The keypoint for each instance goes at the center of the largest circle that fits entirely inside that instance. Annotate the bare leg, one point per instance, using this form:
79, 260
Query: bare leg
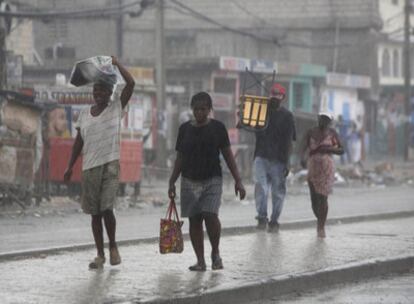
314, 199
197, 239
320, 209
323, 214
213, 227
97, 231
110, 225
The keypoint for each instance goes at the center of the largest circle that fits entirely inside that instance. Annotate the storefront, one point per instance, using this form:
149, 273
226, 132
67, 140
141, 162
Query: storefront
343, 96
64, 105
20, 147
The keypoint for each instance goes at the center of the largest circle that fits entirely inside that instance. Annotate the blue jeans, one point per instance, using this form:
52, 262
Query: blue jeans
269, 174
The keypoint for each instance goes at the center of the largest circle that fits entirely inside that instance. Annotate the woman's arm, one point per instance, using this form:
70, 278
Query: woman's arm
76, 150
130, 83
174, 175
231, 163
336, 149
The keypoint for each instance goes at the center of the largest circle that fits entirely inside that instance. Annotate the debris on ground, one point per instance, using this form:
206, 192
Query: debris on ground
380, 173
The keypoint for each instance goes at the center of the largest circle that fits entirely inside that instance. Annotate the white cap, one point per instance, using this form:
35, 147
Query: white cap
327, 114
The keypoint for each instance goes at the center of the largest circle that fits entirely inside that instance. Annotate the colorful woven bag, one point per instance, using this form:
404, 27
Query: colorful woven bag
171, 237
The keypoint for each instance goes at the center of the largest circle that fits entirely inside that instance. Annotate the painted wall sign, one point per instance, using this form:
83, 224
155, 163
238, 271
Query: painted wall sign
263, 66
234, 63
349, 81
63, 95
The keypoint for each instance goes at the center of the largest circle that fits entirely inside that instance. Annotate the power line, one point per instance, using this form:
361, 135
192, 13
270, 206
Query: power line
198, 15
249, 13
267, 39
75, 14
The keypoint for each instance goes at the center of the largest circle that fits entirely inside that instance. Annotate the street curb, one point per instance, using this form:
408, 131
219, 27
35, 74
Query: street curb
226, 231
282, 285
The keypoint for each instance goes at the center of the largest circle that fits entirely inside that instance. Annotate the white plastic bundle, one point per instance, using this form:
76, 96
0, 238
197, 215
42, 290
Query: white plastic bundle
95, 69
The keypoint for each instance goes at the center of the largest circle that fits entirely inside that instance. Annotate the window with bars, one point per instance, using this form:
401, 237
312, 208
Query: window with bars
396, 63
386, 63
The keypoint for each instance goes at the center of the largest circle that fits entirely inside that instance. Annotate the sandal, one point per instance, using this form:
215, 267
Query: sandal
216, 262
198, 267
97, 263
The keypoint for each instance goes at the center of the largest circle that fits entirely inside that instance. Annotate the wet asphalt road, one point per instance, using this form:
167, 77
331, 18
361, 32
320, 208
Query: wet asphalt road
394, 289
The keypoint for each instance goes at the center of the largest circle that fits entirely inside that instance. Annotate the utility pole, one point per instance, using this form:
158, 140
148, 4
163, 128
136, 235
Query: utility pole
335, 55
3, 80
161, 146
407, 77
119, 33
5, 24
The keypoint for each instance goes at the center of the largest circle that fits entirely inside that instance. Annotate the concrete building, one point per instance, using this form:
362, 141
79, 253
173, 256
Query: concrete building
325, 32
50, 46
391, 109
208, 45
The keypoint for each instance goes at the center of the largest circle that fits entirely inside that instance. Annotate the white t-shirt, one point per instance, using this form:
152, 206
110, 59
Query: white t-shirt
100, 134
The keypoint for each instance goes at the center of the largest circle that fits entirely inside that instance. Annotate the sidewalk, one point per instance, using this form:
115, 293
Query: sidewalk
70, 227
256, 263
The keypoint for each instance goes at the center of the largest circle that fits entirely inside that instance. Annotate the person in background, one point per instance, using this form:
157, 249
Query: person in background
98, 138
320, 143
343, 132
271, 159
150, 156
355, 145
199, 144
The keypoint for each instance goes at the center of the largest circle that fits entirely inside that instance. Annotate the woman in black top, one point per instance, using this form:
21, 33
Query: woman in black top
198, 146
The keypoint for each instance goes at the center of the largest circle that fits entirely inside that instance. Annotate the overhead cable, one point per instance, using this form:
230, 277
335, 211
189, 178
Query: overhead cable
273, 40
223, 26
75, 14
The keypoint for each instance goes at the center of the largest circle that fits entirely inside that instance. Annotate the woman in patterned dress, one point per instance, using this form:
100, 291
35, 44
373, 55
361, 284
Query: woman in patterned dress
321, 142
